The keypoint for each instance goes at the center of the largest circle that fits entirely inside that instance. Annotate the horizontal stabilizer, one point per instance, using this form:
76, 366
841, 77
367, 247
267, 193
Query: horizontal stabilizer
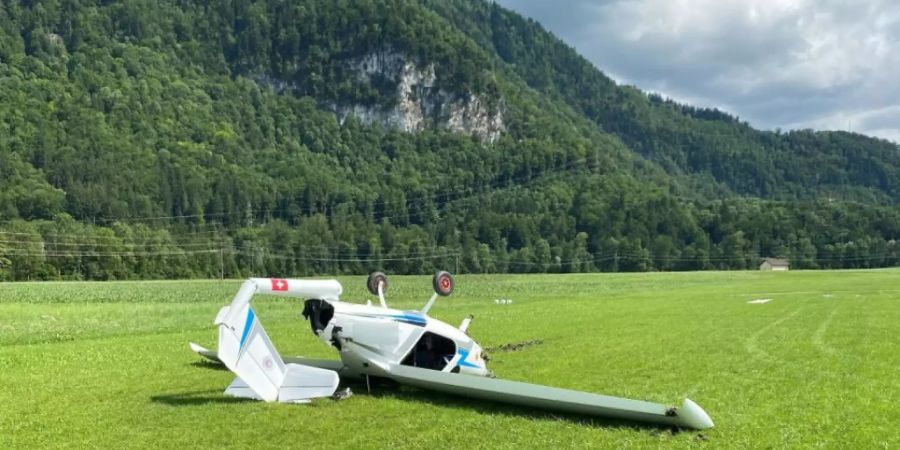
303, 382
329, 364
204, 352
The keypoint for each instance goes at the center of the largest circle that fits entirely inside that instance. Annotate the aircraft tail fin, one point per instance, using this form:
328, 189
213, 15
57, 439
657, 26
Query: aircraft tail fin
245, 348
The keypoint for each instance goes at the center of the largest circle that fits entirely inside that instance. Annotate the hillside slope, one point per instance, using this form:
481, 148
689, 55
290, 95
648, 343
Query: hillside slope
174, 139
704, 143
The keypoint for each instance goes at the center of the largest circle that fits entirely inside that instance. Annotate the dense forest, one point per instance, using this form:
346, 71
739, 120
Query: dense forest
174, 139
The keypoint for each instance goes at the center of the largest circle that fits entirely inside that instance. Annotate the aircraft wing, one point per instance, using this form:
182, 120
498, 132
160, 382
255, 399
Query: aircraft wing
689, 415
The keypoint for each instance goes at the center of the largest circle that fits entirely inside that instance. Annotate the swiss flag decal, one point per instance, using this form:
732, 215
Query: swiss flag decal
279, 284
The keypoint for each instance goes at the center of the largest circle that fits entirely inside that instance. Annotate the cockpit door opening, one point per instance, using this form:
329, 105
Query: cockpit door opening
432, 351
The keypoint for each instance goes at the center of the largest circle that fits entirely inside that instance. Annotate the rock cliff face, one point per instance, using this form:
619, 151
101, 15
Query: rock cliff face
419, 102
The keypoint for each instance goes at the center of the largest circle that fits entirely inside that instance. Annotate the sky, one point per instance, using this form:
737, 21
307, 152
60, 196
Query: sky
821, 64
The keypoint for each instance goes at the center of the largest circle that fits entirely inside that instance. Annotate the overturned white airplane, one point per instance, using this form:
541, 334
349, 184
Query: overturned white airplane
406, 346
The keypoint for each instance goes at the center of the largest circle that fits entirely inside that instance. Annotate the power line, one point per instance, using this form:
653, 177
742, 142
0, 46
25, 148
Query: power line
197, 244
262, 251
434, 196
107, 245
115, 238
169, 218
94, 254
542, 176
359, 259
250, 248
632, 257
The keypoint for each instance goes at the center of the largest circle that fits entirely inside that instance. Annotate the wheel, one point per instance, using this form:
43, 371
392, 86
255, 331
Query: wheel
443, 283
374, 279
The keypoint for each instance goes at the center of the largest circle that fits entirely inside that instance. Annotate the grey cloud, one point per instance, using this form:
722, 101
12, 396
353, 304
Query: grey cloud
883, 119
776, 63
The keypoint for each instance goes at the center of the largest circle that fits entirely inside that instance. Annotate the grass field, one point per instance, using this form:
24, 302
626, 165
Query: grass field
107, 364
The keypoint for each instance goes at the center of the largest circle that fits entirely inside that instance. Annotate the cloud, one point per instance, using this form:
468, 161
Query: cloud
825, 64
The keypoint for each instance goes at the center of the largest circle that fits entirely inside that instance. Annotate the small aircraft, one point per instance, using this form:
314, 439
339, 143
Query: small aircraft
408, 347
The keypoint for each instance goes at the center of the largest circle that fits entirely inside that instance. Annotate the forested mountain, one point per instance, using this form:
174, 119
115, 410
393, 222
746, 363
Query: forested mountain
188, 138
685, 140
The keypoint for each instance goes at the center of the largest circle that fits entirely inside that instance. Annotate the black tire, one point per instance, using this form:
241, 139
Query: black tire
374, 279
443, 283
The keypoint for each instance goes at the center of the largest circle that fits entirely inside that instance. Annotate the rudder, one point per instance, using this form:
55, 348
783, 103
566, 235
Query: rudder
245, 348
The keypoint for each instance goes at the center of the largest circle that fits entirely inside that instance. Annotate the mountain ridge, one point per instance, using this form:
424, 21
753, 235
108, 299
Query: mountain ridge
650, 124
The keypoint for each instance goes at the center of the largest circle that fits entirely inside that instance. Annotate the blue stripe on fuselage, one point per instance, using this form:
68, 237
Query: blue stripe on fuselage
408, 317
463, 354
247, 325
414, 319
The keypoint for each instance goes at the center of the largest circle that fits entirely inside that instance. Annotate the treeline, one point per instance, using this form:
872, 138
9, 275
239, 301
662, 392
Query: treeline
649, 233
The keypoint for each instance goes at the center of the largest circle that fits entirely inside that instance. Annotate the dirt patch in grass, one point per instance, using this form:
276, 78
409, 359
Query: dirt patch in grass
514, 346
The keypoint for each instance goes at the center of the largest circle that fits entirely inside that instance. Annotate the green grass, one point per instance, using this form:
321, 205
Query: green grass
107, 364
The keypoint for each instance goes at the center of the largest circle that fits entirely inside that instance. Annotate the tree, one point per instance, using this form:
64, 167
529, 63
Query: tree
4, 262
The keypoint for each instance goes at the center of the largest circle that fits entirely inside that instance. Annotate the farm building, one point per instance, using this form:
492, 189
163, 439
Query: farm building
775, 264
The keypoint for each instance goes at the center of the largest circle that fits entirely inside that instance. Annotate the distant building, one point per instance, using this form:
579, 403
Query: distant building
775, 264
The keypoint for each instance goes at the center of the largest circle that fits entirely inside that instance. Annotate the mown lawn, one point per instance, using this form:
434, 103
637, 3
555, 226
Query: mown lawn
107, 364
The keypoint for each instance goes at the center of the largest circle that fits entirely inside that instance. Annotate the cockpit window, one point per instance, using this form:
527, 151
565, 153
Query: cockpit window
433, 351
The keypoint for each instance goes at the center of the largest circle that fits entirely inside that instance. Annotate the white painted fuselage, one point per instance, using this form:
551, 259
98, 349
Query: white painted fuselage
372, 339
